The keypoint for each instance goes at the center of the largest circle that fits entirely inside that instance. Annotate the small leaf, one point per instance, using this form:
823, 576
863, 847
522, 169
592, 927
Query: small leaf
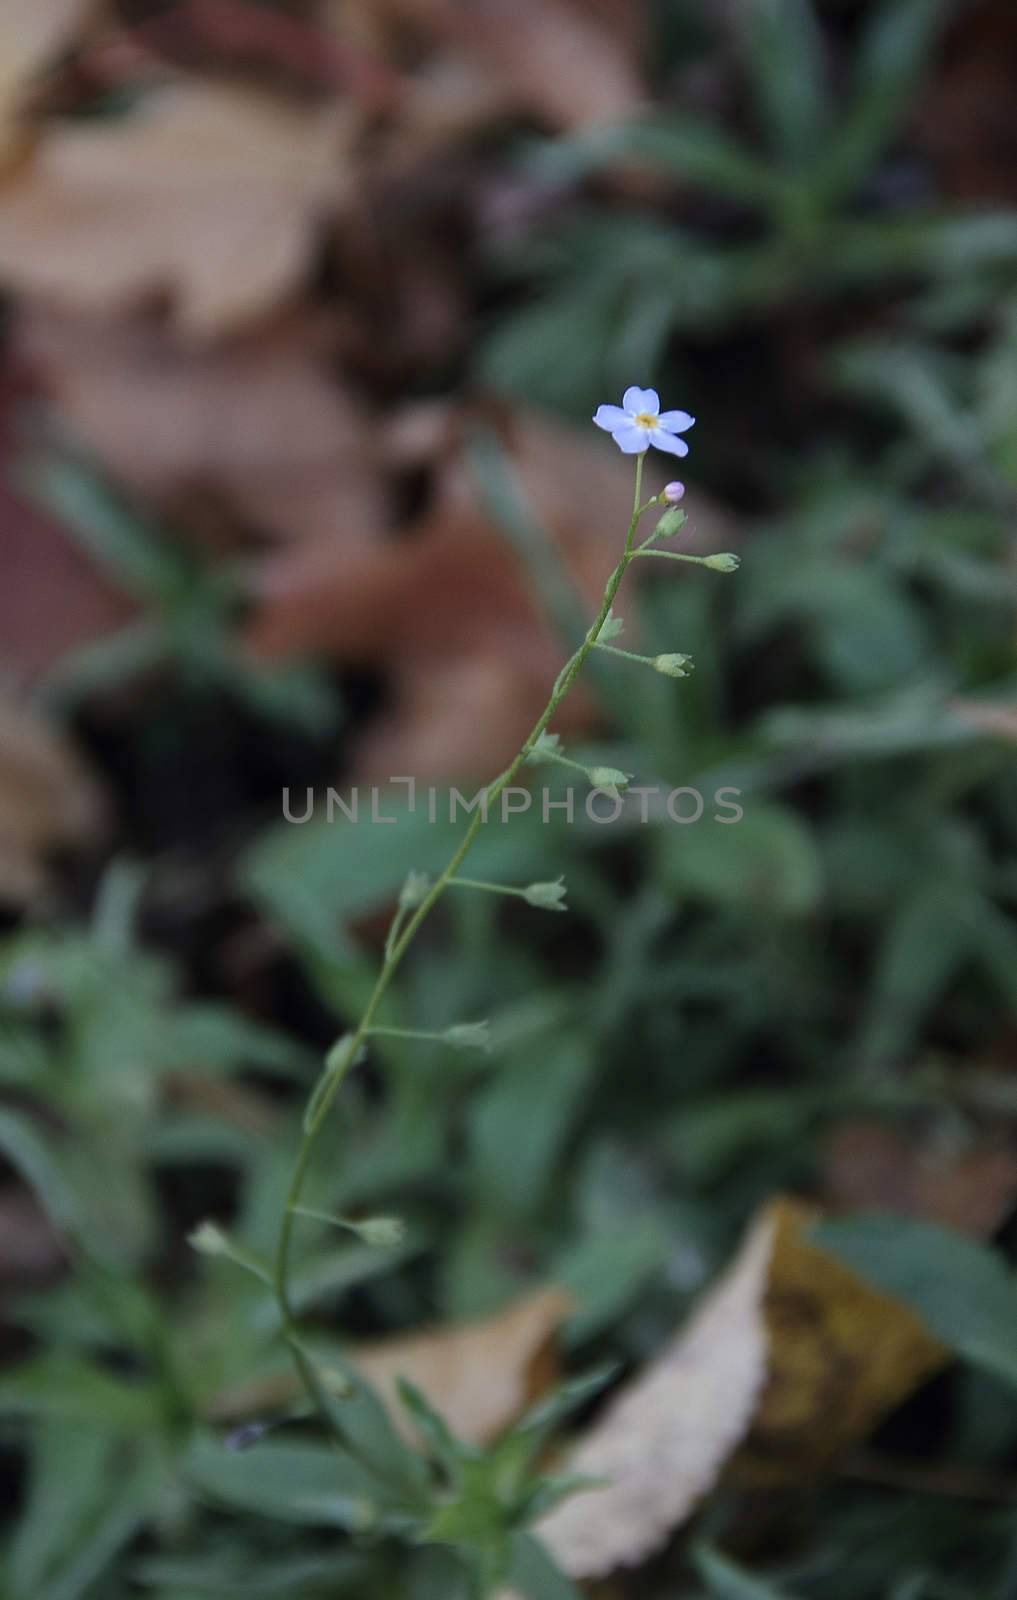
312, 1485
533, 1574
963, 1291
432, 1427
725, 1581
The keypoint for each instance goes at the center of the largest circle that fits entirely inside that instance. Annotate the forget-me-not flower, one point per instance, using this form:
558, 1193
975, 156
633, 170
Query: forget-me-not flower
638, 423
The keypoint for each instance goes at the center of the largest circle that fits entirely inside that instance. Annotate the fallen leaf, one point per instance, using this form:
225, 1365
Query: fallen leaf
663, 1440
843, 1356
570, 62
786, 1361
479, 1375
170, 420
32, 33
47, 802
211, 195
870, 1167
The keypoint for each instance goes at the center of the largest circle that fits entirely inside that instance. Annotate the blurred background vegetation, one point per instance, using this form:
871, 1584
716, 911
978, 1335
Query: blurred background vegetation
307, 307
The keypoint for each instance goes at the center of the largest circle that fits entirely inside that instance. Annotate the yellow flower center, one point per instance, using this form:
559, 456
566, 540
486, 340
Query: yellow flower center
646, 419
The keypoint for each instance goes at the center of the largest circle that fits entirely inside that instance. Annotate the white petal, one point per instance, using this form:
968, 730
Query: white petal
632, 440
676, 421
636, 400
611, 417
668, 442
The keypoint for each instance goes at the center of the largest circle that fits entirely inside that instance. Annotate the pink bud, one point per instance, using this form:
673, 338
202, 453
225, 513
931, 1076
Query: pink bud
673, 492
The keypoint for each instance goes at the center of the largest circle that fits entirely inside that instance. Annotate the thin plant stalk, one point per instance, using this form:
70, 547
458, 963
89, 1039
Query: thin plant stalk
397, 947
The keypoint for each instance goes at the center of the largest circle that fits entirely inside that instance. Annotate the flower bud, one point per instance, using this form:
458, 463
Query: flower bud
672, 493
723, 563
670, 523
610, 778
673, 666
546, 896
337, 1059
209, 1240
414, 890
381, 1233
469, 1036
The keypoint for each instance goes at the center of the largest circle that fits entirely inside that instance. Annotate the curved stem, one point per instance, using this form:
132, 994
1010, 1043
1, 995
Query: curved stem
396, 948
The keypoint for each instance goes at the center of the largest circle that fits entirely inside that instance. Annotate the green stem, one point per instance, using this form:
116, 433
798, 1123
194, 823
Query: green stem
427, 1034
489, 888
402, 937
626, 655
670, 555
563, 761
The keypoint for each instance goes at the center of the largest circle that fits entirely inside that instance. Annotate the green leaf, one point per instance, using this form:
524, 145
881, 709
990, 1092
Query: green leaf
895, 52
696, 152
314, 879
75, 1391
923, 945
311, 1485
366, 1427
71, 1468
963, 1291
726, 1581
534, 1575
606, 1273
117, 535
440, 1440
513, 1152
786, 58
218, 1038
31, 1154
766, 861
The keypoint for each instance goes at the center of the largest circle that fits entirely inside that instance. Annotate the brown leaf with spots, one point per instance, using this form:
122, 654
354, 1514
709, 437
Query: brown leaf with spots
842, 1356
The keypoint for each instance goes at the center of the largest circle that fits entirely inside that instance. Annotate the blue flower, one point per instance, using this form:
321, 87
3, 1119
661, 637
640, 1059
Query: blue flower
639, 422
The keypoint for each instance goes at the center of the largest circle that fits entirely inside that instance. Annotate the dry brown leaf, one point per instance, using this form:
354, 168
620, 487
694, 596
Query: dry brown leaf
479, 1375
869, 1166
790, 1352
208, 194
843, 1356
256, 420
47, 801
662, 1442
32, 32
570, 62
